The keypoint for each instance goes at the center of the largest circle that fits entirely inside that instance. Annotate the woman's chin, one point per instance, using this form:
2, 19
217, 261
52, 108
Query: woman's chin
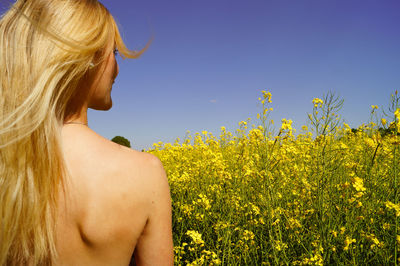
104, 106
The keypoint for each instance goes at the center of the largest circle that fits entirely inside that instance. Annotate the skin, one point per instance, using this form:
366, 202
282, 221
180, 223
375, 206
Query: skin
116, 201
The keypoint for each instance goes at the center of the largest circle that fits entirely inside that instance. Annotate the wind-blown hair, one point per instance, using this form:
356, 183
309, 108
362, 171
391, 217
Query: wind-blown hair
46, 48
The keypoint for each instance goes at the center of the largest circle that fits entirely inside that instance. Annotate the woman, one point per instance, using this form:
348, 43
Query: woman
68, 196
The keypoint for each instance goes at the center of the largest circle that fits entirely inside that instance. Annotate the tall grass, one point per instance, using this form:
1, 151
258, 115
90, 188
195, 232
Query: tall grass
326, 196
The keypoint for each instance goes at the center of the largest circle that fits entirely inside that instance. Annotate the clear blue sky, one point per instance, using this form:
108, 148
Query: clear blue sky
210, 59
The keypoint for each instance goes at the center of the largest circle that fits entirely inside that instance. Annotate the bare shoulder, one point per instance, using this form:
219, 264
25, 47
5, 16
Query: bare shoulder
97, 152
113, 181
140, 165
124, 171
146, 170
146, 160
119, 202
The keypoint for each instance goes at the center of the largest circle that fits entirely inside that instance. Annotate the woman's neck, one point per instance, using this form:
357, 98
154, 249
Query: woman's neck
77, 118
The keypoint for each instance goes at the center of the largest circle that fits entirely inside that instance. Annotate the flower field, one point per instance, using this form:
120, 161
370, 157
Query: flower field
326, 195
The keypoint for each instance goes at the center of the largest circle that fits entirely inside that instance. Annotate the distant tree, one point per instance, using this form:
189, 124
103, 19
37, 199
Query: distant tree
385, 131
121, 141
354, 130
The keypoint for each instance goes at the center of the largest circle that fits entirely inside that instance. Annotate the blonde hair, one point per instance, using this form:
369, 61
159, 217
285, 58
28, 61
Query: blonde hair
46, 49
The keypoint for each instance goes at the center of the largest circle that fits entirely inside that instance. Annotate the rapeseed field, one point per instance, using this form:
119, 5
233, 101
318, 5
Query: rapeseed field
326, 195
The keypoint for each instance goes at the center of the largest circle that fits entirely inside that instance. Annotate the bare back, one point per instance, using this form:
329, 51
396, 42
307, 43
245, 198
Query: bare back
116, 202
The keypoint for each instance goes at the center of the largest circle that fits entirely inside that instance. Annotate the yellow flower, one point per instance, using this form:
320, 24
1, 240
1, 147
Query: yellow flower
278, 245
391, 205
358, 184
248, 235
267, 96
203, 201
347, 242
196, 237
286, 124
317, 102
386, 226
275, 222
397, 113
375, 241
347, 127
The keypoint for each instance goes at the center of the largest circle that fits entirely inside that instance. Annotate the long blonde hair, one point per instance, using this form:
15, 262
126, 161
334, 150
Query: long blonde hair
46, 47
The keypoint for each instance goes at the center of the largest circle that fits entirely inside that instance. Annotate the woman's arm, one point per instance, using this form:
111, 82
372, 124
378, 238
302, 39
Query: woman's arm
155, 245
